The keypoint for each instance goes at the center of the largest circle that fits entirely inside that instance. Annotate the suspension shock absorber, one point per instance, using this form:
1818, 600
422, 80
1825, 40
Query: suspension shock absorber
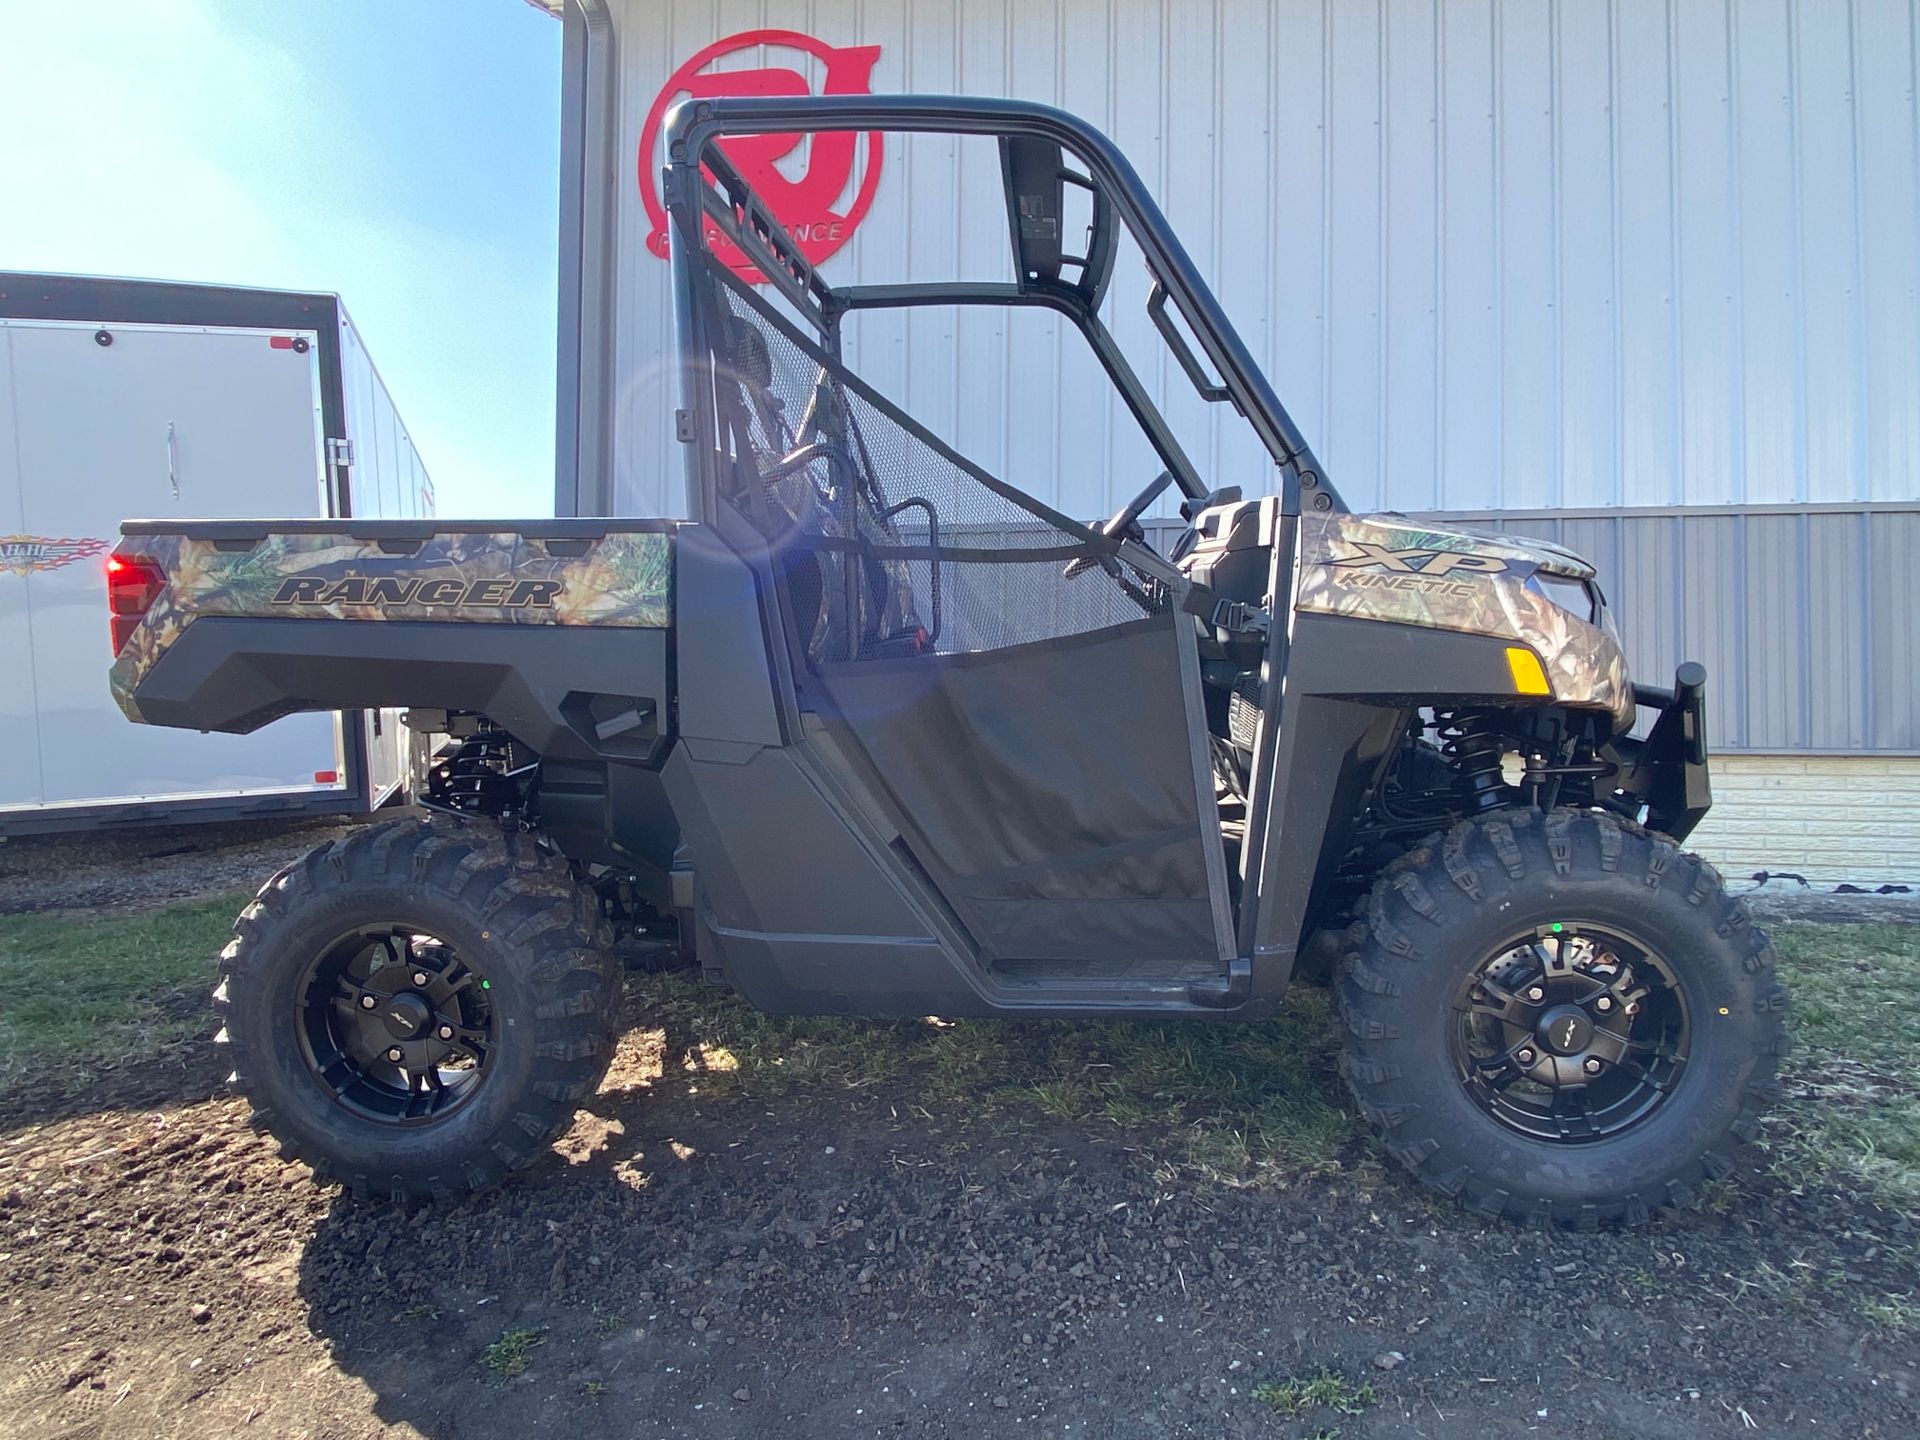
479, 777
1473, 748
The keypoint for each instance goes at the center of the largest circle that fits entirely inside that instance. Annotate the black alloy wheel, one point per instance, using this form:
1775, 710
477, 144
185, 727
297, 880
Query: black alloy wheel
395, 1026
1571, 1034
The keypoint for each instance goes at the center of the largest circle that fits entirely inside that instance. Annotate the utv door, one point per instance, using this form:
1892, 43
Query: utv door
1026, 704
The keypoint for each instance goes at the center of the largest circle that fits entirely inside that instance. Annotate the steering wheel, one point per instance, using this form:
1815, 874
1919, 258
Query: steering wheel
1125, 524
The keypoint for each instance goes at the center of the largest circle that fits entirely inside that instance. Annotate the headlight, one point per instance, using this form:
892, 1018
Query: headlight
1580, 598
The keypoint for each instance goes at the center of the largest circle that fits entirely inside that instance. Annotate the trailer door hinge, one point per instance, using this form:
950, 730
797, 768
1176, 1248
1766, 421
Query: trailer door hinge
683, 426
339, 462
1238, 616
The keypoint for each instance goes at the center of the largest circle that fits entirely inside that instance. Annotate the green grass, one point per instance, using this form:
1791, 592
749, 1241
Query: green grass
1239, 1102
1851, 1115
1242, 1103
608, 1322
1324, 1389
1896, 1315
87, 990
512, 1353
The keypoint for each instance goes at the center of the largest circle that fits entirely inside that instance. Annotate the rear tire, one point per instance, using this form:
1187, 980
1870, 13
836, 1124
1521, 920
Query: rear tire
512, 956
1592, 915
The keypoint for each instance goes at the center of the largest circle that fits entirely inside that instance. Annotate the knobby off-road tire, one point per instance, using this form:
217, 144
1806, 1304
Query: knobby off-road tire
512, 913
1442, 912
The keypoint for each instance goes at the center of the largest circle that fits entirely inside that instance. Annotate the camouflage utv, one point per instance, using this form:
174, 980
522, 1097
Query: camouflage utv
876, 732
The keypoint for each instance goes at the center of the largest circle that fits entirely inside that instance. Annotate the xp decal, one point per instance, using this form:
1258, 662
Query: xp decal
1420, 562
838, 172
23, 554
1381, 568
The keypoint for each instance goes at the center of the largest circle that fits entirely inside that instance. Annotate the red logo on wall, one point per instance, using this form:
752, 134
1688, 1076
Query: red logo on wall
820, 190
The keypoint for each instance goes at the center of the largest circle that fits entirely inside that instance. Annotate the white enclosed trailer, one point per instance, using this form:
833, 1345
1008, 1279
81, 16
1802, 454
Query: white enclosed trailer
126, 399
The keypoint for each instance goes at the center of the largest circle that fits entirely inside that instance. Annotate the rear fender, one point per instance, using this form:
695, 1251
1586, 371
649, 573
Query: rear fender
569, 692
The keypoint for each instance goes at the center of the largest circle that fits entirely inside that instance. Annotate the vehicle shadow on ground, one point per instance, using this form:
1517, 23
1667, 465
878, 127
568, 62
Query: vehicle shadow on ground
583, 1292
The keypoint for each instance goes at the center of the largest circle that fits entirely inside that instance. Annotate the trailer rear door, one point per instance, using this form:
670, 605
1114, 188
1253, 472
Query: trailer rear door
150, 421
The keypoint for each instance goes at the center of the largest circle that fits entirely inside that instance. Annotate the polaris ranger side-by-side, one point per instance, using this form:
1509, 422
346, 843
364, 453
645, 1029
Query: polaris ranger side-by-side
876, 732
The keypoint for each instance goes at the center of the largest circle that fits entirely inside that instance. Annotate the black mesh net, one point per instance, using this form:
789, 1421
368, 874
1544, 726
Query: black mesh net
891, 543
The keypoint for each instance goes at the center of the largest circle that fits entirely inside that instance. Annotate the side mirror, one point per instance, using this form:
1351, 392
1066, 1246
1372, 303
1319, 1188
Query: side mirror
1034, 172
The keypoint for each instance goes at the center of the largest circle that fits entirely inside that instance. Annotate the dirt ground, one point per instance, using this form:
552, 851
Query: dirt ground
856, 1262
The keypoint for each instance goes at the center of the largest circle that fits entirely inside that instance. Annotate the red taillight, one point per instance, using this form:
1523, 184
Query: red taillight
133, 584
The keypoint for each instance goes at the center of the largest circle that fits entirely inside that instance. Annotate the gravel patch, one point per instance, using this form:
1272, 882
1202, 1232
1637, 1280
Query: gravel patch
139, 868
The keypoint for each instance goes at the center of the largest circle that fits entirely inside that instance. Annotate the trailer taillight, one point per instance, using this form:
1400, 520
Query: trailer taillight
133, 584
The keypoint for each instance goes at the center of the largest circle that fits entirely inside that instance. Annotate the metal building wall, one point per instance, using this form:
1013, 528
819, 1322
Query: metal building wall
1808, 621
1807, 618
1636, 274
1495, 254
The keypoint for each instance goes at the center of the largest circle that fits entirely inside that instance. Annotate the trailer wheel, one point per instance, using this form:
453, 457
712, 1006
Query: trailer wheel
419, 1008
1560, 1018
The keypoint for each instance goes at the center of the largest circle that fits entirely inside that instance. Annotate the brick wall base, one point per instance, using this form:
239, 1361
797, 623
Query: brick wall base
1832, 819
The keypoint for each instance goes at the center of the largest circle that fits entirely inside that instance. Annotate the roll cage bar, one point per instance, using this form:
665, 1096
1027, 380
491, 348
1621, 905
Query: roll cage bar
1035, 141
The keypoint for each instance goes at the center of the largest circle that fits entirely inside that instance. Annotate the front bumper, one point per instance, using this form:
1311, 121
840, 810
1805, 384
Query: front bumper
1667, 771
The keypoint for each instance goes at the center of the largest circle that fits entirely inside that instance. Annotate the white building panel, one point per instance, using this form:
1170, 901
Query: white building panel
1494, 254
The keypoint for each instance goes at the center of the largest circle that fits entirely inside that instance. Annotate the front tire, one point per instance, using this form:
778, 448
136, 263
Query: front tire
1559, 1018
419, 1008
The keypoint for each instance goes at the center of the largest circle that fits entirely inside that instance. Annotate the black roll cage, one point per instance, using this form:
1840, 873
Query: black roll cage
1034, 140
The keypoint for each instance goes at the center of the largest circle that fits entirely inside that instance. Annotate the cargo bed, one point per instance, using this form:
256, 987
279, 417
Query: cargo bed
228, 625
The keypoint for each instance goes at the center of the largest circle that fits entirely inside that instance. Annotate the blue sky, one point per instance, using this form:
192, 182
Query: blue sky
403, 154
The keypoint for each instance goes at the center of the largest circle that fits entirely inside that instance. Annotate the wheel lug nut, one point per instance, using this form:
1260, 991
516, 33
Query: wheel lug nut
1525, 1057
396, 1054
1593, 1065
446, 1032
419, 977
1537, 993
367, 1002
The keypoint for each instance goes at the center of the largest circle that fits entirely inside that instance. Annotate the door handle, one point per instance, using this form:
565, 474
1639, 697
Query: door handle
173, 462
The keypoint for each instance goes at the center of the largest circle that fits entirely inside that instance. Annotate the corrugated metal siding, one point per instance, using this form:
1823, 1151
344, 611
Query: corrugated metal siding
1808, 621
388, 481
1494, 253
1805, 621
